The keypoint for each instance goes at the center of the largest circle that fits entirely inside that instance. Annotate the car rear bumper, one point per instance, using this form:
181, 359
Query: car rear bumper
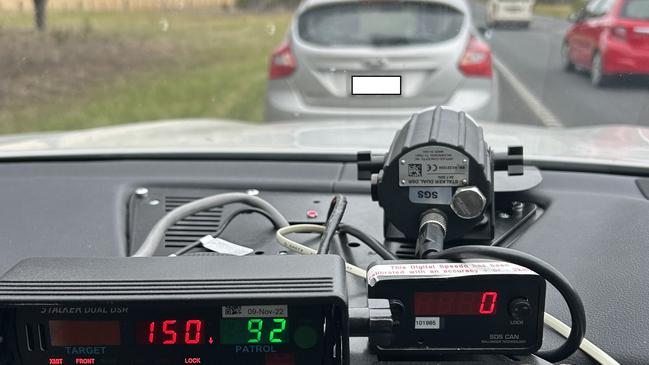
622, 58
477, 97
512, 16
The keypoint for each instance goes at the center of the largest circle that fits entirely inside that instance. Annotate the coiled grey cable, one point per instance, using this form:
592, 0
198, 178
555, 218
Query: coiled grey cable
155, 237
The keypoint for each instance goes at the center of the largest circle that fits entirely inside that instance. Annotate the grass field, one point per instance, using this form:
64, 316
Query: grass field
98, 69
555, 10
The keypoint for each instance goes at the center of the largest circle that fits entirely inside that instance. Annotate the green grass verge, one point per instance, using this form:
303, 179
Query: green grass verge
167, 65
554, 10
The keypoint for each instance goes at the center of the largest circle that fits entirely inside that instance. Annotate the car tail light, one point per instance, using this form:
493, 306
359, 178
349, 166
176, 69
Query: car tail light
476, 60
619, 32
282, 62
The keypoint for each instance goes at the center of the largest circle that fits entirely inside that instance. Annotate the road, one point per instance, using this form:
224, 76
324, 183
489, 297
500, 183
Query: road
568, 99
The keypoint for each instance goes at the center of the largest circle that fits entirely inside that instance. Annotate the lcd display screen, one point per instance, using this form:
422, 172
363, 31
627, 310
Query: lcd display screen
85, 333
461, 303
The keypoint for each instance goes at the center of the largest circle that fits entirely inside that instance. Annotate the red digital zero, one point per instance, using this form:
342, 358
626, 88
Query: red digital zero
464, 303
193, 331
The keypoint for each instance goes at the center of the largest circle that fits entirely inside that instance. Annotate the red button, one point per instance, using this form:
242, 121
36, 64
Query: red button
311, 214
280, 359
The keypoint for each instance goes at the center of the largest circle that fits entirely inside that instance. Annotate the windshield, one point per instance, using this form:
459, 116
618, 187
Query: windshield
568, 80
636, 9
380, 24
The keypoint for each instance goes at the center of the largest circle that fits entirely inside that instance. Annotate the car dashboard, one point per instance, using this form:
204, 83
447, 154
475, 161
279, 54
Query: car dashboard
587, 225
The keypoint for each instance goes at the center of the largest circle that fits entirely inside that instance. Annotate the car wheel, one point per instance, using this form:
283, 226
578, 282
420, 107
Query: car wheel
566, 63
597, 76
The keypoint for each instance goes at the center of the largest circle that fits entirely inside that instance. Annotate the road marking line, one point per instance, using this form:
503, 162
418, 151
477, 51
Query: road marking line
544, 114
645, 138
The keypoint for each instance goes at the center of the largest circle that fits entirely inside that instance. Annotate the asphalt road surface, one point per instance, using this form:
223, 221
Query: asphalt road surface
535, 89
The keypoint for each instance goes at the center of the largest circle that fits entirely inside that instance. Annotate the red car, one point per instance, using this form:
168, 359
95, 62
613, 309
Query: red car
609, 37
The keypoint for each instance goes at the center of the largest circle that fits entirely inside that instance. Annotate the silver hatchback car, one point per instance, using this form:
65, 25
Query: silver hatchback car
356, 59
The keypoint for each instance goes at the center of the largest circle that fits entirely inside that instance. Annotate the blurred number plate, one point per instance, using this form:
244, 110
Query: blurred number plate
376, 85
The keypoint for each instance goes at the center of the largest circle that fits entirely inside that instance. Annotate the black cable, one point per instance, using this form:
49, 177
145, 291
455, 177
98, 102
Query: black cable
432, 232
370, 241
552, 275
334, 217
222, 227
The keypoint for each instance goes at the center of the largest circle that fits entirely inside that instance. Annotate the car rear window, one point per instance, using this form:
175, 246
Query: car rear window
380, 24
636, 9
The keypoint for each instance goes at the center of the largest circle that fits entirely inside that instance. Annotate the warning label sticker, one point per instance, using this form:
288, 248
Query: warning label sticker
443, 270
433, 166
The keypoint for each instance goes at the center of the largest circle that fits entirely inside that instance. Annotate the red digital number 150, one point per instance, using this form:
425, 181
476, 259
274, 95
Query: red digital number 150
166, 332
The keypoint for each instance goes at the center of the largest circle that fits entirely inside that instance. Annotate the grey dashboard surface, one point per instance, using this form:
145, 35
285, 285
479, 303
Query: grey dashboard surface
593, 228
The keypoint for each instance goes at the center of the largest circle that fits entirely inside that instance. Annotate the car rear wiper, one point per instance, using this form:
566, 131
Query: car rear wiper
391, 41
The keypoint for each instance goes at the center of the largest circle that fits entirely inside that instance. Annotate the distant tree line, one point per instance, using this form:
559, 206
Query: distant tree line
259, 5
574, 3
40, 7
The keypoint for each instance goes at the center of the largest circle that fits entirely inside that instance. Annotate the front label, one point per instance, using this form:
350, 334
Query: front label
430, 195
433, 166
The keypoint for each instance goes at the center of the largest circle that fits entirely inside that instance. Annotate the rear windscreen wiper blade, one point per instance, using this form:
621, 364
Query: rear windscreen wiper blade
389, 41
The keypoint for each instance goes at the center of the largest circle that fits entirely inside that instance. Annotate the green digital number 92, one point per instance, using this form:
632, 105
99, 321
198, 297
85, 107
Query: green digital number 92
256, 330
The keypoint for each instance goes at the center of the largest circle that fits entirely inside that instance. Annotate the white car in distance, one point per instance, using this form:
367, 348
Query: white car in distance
510, 12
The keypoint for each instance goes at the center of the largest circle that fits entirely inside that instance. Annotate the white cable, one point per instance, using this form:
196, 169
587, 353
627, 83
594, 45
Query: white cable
586, 346
304, 250
156, 235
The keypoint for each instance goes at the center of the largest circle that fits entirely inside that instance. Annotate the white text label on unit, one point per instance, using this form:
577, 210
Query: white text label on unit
433, 166
427, 323
430, 195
